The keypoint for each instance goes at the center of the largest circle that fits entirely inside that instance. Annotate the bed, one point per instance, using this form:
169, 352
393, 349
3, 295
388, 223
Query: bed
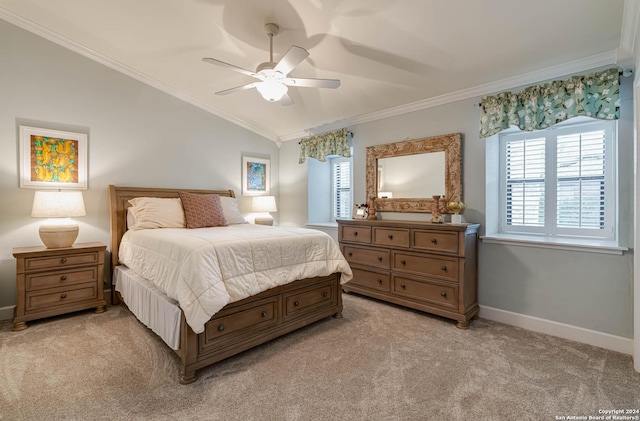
242, 309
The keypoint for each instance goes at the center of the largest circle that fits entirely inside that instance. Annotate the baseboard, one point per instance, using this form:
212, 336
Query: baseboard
561, 330
6, 313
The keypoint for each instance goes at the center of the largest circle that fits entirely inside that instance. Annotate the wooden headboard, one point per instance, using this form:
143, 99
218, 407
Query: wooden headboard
119, 202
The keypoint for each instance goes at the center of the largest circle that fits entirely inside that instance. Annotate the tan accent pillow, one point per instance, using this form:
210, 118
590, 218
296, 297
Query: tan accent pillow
156, 212
202, 210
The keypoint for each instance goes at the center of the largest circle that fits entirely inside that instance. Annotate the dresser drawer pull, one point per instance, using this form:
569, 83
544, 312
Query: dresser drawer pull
390, 237
404, 262
63, 278
296, 303
350, 254
434, 241
220, 327
380, 281
403, 286
379, 258
325, 294
444, 294
355, 233
443, 267
264, 314
63, 260
63, 296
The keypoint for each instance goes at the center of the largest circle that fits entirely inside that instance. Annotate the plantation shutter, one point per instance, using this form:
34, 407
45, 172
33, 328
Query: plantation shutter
342, 189
525, 182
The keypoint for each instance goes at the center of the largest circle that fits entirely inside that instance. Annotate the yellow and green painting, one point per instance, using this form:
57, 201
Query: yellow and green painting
54, 159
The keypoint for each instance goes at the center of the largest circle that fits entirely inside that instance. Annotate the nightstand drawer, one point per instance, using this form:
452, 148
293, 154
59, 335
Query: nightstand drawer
59, 262
61, 278
60, 296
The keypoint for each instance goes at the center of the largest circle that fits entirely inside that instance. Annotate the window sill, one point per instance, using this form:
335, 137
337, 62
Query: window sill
572, 244
322, 224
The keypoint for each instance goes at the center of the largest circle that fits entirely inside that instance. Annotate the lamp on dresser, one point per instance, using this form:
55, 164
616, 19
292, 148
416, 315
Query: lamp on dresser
58, 231
263, 205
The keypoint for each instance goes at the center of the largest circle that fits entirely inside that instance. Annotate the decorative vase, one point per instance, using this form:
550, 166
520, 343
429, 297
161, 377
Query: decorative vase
456, 218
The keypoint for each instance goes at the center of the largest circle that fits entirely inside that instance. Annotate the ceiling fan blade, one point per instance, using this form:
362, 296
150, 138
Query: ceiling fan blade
230, 66
286, 100
291, 59
312, 83
237, 89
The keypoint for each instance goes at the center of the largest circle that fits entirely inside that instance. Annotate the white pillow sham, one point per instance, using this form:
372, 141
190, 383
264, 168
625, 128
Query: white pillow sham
157, 212
231, 211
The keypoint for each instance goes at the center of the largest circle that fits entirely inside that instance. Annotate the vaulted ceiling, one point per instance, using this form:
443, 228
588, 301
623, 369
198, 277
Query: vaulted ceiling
390, 56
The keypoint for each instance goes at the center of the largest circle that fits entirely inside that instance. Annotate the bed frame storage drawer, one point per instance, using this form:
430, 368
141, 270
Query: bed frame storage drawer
308, 300
259, 315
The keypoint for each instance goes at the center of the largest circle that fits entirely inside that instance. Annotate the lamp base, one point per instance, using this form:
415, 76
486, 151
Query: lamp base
264, 220
58, 236
456, 218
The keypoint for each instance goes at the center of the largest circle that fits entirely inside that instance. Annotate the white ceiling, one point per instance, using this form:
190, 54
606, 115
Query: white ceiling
391, 56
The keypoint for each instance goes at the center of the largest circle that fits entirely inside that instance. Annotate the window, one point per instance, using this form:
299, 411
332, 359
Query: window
560, 181
341, 187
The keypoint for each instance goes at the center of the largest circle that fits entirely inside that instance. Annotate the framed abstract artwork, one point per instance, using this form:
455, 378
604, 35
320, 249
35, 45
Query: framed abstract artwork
52, 159
255, 176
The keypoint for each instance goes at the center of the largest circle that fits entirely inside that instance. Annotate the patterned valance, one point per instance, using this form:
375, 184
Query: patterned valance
322, 145
536, 107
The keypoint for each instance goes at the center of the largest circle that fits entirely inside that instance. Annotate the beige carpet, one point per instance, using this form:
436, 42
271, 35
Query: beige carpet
379, 362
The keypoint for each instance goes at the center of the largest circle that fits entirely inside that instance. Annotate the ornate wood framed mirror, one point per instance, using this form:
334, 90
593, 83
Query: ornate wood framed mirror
403, 176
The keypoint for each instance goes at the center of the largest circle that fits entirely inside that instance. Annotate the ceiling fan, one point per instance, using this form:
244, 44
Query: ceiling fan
273, 81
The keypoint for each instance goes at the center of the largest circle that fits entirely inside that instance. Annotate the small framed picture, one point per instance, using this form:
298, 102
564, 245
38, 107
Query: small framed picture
52, 159
255, 176
360, 212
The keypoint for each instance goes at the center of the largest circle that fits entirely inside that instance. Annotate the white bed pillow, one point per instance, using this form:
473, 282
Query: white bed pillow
156, 212
231, 211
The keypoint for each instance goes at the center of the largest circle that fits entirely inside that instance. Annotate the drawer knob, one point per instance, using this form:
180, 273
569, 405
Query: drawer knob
433, 240
264, 314
379, 258
443, 267
220, 327
296, 303
325, 294
404, 262
444, 294
380, 281
63, 296
355, 233
390, 237
63, 260
63, 278
403, 286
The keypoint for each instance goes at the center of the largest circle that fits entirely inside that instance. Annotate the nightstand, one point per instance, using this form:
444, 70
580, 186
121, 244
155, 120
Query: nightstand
50, 282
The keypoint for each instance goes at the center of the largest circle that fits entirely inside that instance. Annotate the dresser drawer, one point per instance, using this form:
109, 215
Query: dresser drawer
436, 241
443, 294
37, 263
356, 234
259, 316
309, 299
49, 298
442, 267
60, 278
369, 257
391, 237
368, 279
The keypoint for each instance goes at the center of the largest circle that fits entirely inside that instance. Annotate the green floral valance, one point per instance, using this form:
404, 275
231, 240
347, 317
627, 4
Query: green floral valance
320, 146
536, 107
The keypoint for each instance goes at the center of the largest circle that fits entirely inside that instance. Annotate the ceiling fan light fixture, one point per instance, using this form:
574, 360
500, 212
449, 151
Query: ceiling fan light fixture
272, 90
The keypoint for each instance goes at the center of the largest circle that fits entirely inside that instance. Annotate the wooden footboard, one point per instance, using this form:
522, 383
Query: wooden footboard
258, 319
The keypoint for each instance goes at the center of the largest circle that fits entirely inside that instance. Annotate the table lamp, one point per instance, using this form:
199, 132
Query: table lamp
264, 205
59, 231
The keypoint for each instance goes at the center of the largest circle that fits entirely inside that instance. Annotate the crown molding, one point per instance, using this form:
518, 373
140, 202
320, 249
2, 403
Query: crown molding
587, 63
76, 47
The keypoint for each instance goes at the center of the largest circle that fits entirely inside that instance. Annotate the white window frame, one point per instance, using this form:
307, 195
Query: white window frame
333, 162
550, 229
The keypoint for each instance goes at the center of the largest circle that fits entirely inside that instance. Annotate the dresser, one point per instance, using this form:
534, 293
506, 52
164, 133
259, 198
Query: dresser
424, 266
50, 282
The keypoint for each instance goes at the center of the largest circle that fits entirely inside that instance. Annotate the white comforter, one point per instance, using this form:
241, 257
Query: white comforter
205, 269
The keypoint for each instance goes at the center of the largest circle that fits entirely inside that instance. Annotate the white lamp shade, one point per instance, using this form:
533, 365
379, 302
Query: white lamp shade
264, 204
58, 204
272, 90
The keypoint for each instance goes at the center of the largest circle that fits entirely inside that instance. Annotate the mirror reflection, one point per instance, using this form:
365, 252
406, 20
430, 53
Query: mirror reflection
420, 175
